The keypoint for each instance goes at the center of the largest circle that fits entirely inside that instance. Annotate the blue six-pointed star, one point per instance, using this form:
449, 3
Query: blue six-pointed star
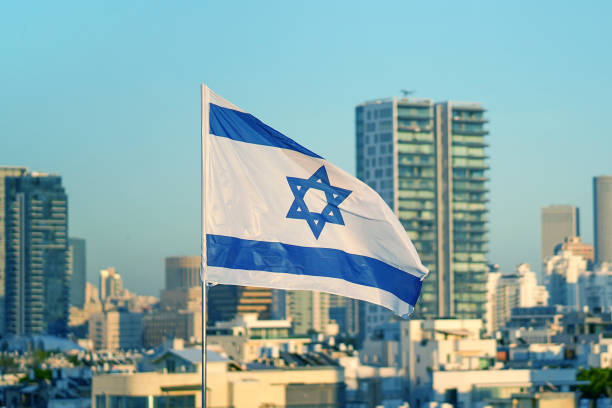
334, 196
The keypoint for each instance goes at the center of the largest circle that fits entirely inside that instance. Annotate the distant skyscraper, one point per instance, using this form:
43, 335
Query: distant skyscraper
602, 211
182, 272
428, 162
36, 257
558, 222
5, 172
111, 284
78, 271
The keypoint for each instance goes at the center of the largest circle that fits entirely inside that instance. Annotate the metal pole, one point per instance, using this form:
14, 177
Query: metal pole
205, 126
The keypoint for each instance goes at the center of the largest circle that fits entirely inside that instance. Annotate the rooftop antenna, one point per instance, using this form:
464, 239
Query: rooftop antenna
407, 92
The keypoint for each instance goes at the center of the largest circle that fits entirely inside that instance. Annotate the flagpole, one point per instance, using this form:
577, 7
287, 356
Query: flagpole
205, 126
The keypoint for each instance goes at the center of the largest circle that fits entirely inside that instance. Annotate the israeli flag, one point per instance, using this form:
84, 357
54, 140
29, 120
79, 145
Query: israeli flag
277, 215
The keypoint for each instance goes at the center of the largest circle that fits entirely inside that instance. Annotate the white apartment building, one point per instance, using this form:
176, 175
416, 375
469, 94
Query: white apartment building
508, 291
562, 272
246, 338
480, 388
595, 288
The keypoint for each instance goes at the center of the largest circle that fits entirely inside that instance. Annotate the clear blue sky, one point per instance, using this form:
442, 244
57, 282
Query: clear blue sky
107, 95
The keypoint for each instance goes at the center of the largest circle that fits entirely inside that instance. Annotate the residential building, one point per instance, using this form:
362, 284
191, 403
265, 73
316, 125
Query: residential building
580, 327
558, 222
289, 380
428, 162
577, 247
166, 324
115, 329
111, 284
246, 338
478, 388
595, 288
602, 211
490, 318
308, 311
520, 289
372, 386
420, 347
35, 241
78, 271
562, 272
534, 324
5, 172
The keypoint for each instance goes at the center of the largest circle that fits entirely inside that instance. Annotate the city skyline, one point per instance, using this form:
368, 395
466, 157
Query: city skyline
120, 123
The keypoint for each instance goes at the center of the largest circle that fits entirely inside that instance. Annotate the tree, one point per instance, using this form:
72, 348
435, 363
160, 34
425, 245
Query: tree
600, 382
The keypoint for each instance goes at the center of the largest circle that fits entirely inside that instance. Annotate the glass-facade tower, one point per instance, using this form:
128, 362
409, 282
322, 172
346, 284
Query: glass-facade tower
427, 161
37, 280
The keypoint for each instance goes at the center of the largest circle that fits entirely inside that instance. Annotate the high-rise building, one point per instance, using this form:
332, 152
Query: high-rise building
78, 271
558, 222
182, 272
225, 302
428, 162
5, 172
35, 241
308, 311
111, 284
602, 211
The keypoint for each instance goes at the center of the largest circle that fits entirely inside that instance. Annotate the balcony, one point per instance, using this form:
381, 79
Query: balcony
479, 132
464, 119
414, 128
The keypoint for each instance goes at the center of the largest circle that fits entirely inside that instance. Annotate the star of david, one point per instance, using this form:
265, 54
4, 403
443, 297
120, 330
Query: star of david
333, 195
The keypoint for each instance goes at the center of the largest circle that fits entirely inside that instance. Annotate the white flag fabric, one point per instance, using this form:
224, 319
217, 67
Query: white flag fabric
277, 215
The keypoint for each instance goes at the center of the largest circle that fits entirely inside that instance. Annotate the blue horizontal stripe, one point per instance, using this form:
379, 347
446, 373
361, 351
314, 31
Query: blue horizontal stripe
236, 253
247, 128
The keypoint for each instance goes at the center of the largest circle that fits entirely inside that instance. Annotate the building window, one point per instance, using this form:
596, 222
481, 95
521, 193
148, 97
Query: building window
100, 401
120, 401
174, 401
